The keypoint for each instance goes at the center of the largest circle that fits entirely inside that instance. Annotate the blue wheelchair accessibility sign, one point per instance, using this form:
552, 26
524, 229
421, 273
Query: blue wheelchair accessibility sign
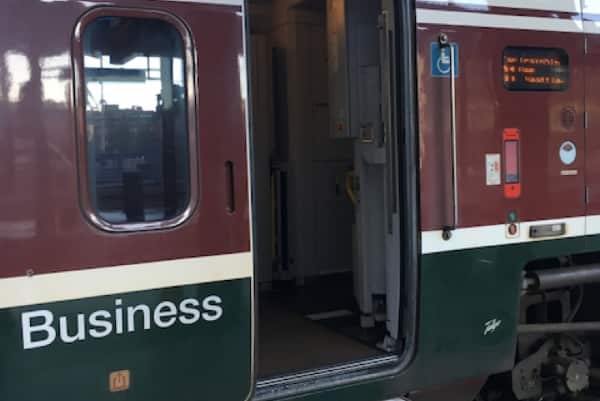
440, 60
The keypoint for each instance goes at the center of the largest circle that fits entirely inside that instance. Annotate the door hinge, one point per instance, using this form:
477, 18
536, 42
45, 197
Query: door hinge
586, 122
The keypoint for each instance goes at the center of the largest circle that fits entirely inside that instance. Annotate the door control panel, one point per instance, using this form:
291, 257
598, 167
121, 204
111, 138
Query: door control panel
512, 175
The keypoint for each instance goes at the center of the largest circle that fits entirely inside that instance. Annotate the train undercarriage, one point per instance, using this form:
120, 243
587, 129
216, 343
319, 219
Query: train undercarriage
558, 343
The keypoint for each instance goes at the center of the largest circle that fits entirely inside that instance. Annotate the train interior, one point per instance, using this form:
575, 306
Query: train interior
324, 210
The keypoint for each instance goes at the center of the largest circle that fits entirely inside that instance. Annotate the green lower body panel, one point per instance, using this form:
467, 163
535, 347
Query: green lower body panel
194, 343
177, 344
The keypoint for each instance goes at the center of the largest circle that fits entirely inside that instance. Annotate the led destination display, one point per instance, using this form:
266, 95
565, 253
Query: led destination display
535, 69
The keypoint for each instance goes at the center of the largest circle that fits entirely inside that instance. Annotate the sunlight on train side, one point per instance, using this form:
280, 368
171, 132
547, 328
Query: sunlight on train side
591, 6
18, 229
19, 72
55, 85
557, 5
475, 3
243, 77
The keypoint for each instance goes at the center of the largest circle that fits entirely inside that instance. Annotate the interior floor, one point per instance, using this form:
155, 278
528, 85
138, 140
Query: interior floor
309, 327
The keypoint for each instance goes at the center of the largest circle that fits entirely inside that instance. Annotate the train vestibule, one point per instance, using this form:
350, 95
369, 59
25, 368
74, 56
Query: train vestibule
325, 181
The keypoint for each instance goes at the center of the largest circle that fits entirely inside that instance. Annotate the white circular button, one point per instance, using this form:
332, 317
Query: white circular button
568, 153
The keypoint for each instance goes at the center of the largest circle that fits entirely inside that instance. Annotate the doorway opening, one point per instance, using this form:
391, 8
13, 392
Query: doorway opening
326, 196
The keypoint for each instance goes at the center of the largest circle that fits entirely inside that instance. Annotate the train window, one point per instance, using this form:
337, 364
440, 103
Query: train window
137, 137
535, 69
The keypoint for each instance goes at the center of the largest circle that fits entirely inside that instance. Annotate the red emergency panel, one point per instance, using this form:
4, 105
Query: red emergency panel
512, 176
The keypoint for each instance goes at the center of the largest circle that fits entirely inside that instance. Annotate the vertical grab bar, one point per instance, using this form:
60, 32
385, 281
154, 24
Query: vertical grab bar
444, 42
386, 65
389, 139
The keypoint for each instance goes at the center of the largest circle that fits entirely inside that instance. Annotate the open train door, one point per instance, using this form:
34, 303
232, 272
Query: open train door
362, 83
125, 225
388, 52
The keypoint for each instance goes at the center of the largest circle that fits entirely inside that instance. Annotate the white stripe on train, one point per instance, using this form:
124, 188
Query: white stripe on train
217, 2
462, 18
69, 285
495, 235
573, 6
591, 26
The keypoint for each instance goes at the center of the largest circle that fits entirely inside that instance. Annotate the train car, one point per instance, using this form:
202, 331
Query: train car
299, 199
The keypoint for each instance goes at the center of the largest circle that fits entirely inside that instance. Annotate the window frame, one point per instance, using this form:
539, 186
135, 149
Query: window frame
79, 89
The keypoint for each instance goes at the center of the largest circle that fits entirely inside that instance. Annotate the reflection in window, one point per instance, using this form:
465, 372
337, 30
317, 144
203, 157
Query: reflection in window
137, 134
